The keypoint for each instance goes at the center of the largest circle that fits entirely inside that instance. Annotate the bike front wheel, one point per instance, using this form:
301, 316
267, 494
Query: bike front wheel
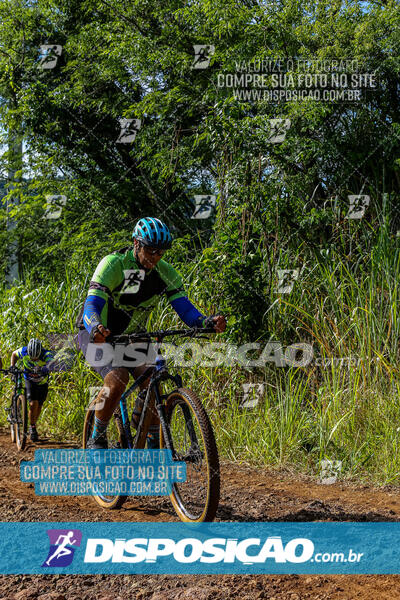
11, 420
196, 499
116, 439
21, 421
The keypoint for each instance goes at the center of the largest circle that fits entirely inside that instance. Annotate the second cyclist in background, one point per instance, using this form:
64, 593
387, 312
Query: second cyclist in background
35, 360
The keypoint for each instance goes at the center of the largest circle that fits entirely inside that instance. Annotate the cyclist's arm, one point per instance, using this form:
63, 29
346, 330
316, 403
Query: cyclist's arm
107, 276
92, 318
14, 358
178, 299
187, 312
17, 355
48, 357
92, 312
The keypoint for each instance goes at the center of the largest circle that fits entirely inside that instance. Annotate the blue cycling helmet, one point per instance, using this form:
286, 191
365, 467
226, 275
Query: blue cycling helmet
152, 232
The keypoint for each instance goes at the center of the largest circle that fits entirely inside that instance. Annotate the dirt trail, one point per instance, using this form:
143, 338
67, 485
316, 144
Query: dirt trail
247, 495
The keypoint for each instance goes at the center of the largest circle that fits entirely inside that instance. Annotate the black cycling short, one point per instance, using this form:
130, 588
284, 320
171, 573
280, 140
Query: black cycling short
36, 391
83, 341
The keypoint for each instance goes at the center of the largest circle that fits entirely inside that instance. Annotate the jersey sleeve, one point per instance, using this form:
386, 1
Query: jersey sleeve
92, 311
187, 312
173, 280
23, 351
47, 356
108, 275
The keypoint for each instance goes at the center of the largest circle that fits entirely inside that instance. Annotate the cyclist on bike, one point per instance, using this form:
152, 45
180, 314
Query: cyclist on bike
35, 360
125, 287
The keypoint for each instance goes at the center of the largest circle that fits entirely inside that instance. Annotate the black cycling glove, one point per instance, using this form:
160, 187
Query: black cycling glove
93, 332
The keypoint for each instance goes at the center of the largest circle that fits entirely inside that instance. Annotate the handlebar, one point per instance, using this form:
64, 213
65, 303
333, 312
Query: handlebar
147, 336
15, 371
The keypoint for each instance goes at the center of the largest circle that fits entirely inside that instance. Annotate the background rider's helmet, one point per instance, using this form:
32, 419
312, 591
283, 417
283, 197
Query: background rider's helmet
34, 348
152, 232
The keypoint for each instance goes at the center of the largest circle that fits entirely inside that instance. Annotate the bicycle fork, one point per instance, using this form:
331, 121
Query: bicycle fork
10, 414
12, 411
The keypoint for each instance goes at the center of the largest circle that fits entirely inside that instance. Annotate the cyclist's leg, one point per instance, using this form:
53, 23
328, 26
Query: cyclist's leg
34, 412
115, 381
38, 395
33, 409
33, 405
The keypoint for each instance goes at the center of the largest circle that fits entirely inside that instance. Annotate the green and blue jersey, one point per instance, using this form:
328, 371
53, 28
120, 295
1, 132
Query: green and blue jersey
33, 369
122, 294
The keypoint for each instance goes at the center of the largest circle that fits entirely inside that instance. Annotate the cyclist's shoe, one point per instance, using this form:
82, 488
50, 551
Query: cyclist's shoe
98, 443
33, 434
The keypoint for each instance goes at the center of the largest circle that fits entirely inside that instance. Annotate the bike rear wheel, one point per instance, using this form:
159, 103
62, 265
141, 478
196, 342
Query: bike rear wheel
195, 500
116, 439
21, 421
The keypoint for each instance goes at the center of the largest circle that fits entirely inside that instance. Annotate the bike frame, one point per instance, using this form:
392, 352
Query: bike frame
156, 372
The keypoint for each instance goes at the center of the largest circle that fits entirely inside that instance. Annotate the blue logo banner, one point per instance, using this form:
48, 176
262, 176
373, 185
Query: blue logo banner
214, 548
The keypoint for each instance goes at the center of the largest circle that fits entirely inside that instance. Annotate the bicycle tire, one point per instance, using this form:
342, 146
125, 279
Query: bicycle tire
21, 424
180, 497
12, 424
109, 502
12, 432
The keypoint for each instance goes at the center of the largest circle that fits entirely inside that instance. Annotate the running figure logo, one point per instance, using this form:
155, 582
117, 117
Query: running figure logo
60, 554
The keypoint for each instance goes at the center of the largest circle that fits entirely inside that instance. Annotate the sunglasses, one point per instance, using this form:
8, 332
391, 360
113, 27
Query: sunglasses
153, 251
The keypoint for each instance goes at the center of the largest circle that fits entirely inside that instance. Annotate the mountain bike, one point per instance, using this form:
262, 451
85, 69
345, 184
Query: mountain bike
18, 410
185, 430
